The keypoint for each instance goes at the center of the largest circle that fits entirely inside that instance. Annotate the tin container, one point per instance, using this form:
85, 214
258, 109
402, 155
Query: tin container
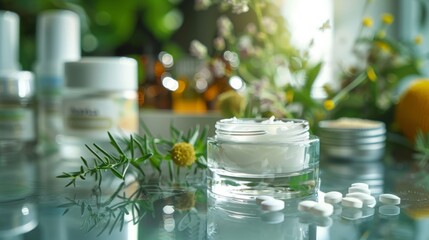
352, 139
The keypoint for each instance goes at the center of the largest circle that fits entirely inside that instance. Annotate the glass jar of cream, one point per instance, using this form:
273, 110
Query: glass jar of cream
252, 157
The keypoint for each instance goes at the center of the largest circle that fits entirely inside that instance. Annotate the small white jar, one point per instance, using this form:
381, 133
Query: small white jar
100, 96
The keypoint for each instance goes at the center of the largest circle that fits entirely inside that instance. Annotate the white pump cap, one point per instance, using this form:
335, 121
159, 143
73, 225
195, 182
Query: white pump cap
58, 37
9, 41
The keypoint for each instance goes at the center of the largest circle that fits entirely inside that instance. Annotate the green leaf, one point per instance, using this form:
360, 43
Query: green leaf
193, 139
115, 144
312, 74
143, 158
116, 173
131, 146
65, 175
94, 153
84, 161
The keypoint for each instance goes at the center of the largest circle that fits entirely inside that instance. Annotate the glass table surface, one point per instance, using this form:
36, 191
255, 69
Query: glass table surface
35, 204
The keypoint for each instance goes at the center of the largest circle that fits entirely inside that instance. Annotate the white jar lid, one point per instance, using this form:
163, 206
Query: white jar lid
102, 73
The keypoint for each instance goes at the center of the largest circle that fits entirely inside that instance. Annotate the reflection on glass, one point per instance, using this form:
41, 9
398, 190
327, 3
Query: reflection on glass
338, 176
234, 220
17, 218
18, 212
17, 173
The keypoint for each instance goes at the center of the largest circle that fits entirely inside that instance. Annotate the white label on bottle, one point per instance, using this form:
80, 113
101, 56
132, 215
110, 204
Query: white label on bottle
95, 117
17, 123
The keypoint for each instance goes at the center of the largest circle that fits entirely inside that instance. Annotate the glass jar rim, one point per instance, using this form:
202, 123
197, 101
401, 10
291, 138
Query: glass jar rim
267, 130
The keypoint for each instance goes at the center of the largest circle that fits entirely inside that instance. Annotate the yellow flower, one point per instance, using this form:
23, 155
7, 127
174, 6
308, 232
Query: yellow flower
367, 22
383, 46
371, 74
329, 104
418, 40
387, 18
183, 154
289, 95
381, 34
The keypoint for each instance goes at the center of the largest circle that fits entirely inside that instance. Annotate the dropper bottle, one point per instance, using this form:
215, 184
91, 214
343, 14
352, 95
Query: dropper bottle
17, 115
58, 41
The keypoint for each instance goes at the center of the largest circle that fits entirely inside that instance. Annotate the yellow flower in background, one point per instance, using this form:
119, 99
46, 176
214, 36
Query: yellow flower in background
367, 22
381, 34
418, 40
371, 74
383, 46
329, 104
183, 154
289, 95
387, 18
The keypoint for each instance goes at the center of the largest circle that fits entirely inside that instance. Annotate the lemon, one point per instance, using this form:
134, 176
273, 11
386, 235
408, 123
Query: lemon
412, 110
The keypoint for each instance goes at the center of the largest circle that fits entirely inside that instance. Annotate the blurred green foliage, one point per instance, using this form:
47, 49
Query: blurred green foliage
108, 27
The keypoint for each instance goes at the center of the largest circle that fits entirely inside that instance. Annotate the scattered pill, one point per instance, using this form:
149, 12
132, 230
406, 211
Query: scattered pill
362, 185
168, 209
366, 199
351, 202
359, 189
389, 210
389, 199
272, 205
333, 197
260, 199
306, 205
322, 209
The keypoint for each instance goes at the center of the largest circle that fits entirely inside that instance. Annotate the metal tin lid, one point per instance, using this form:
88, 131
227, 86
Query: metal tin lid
102, 73
16, 85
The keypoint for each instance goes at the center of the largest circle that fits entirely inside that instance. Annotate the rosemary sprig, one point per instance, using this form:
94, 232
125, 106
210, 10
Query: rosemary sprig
118, 164
134, 153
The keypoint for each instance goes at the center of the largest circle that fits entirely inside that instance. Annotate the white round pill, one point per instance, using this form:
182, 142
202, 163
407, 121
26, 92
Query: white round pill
306, 205
333, 197
260, 199
359, 184
272, 205
351, 202
366, 199
359, 189
322, 209
389, 199
168, 209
